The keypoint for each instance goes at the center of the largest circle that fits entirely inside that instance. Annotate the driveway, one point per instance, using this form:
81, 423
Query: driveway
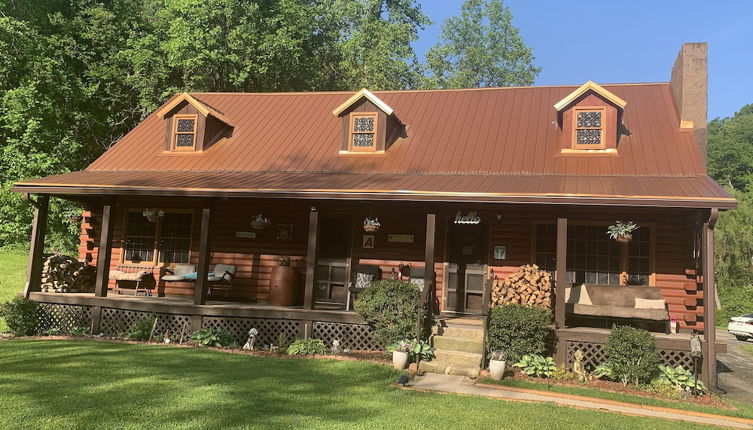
735, 368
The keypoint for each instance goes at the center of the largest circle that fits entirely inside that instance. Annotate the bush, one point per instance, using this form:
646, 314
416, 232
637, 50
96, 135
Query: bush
680, 378
536, 365
307, 347
22, 316
663, 389
631, 355
217, 338
390, 308
518, 330
141, 329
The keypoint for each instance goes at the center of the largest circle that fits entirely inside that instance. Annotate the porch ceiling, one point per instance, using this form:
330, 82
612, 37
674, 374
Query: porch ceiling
660, 191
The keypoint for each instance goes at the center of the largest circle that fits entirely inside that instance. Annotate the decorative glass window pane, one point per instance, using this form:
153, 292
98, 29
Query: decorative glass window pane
184, 140
363, 124
185, 125
588, 136
589, 119
363, 140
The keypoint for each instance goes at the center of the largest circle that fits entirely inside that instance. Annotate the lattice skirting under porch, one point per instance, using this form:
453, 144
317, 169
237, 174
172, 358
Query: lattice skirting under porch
269, 329
117, 322
593, 355
64, 318
356, 337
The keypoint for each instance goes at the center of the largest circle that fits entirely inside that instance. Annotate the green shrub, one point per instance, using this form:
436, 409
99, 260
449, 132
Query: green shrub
536, 365
22, 316
519, 330
680, 378
631, 354
390, 308
216, 338
141, 329
664, 389
562, 374
80, 331
605, 371
307, 347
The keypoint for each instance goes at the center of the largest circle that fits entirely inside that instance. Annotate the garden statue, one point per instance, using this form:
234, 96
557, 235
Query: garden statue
335, 347
578, 368
249, 346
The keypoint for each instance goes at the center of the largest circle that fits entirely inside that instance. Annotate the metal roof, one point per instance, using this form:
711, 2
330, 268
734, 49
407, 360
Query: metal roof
499, 143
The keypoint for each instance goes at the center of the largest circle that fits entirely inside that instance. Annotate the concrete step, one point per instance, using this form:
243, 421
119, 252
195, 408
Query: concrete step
472, 321
468, 332
457, 358
435, 366
462, 344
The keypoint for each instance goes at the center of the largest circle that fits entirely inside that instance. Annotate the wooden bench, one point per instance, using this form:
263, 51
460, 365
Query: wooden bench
132, 273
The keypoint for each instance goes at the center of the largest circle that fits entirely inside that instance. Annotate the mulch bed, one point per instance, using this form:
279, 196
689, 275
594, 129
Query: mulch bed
617, 387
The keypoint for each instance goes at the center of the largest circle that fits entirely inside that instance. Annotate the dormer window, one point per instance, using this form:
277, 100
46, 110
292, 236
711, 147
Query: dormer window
184, 134
589, 128
363, 128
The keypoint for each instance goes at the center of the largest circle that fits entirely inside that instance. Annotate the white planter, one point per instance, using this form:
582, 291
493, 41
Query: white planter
399, 360
497, 369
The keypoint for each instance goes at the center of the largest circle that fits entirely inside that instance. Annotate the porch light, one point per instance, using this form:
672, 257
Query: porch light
260, 222
371, 224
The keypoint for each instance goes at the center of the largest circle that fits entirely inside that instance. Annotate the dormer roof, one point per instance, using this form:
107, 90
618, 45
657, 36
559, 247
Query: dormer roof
363, 93
590, 86
205, 110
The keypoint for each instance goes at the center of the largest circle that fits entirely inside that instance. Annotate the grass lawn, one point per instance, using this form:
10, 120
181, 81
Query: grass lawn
12, 277
743, 411
89, 384
748, 349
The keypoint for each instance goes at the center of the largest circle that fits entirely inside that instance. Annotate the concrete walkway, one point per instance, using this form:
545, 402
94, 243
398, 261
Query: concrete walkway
463, 385
735, 368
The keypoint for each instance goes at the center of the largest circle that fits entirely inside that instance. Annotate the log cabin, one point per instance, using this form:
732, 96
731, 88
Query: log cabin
463, 186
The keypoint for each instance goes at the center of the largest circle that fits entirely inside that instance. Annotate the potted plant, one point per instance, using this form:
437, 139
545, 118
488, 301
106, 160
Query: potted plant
153, 214
74, 217
371, 225
260, 222
622, 231
401, 353
497, 365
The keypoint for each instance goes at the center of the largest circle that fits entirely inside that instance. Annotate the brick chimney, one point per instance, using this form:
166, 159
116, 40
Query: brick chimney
689, 85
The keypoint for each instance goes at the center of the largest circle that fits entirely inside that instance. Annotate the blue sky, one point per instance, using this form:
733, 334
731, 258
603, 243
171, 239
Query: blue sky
634, 41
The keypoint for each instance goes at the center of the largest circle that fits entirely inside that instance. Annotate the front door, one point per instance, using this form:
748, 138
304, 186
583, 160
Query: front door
467, 253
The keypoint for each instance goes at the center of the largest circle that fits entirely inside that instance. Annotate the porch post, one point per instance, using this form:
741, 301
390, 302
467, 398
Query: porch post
104, 253
560, 281
429, 275
202, 271
38, 232
308, 294
709, 295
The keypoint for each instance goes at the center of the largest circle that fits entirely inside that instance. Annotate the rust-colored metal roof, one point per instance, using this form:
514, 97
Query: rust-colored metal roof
500, 143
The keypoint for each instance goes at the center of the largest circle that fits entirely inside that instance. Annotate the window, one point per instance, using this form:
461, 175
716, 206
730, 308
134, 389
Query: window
184, 132
167, 241
363, 128
592, 257
589, 128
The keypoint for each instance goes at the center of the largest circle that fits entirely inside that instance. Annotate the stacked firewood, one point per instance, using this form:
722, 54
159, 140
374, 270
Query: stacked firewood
528, 286
64, 274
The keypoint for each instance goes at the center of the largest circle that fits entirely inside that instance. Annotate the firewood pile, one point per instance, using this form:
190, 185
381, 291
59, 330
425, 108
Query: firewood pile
65, 274
528, 286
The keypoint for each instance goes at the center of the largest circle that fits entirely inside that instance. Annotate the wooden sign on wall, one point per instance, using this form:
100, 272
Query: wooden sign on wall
400, 238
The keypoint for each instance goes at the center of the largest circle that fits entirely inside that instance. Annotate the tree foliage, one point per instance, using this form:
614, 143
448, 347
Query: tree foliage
480, 48
731, 149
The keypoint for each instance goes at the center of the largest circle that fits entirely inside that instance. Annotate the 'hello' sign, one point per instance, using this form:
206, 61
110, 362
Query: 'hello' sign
471, 218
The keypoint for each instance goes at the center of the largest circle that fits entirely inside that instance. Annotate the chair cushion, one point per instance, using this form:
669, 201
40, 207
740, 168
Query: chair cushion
221, 269
649, 303
170, 278
190, 276
363, 281
119, 275
183, 269
618, 312
577, 294
611, 295
214, 278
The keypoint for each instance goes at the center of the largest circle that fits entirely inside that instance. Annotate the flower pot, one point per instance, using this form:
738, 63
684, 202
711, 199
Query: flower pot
399, 360
152, 218
369, 228
625, 238
497, 369
282, 286
258, 225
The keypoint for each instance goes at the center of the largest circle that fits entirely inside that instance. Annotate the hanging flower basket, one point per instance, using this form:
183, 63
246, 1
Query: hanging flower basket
74, 217
622, 231
260, 222
371, 225
153, 214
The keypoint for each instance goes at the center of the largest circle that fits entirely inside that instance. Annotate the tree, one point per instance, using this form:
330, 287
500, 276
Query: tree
480, 48
731, 149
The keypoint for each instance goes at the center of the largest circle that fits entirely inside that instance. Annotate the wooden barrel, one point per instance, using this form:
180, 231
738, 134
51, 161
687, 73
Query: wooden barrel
282, 286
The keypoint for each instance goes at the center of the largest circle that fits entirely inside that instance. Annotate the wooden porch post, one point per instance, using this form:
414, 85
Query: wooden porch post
202, 271
104, 253
429, 275
38, 232
308, 294
560, 279
709, 305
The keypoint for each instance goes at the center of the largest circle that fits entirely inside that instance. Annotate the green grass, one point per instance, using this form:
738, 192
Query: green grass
743, 411
747, 348
88, 384
12, 278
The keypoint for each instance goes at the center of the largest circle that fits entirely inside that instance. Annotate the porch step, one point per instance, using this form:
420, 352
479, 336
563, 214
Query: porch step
459, 344
471, 321
448, 369
457, 358
468, 332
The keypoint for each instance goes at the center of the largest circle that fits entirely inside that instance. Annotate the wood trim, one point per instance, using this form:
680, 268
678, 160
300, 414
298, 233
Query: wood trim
157, 237
104, 253
590, 86
709, 295
603, 111
202, 270
174, 138
429, 273
358, 96
352, 133
311, 257
36, 250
